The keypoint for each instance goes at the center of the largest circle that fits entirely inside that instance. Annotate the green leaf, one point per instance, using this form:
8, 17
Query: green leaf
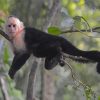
89, 93
77, 22
99, 98
1, 22
6, 55
54, 31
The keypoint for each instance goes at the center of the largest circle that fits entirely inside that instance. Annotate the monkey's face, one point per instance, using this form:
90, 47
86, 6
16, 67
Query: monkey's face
13, 27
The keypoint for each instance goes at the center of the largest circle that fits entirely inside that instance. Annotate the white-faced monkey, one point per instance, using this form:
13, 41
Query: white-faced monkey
26, 41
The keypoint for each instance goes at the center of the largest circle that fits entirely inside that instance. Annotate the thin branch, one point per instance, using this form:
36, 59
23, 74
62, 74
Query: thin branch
4, 34
83, 32
77, 81
71, 31
63, 32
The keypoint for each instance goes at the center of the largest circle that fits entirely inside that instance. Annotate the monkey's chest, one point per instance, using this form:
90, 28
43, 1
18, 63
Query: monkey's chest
19, 44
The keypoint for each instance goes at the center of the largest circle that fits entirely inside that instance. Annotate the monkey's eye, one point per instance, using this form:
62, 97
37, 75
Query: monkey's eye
9, 25
14, 25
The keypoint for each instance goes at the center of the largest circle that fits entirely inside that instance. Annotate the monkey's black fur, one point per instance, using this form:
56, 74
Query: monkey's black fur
41, 44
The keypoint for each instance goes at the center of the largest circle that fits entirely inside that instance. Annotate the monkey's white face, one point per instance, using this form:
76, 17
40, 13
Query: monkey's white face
15, 30
13, 26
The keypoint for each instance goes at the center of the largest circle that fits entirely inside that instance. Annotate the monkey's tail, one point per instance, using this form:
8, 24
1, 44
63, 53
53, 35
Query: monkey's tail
83, 60
69, 49
79, 59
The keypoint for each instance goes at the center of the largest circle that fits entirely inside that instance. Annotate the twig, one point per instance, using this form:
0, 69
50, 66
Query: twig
89, 30
80, 83
81, 17
4, 34
82, 31
71, 69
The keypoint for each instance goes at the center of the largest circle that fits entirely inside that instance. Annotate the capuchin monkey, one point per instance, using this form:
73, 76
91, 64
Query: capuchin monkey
26, 41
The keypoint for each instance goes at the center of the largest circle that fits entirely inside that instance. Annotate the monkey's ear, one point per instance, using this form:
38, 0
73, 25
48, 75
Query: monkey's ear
18, 61
21, 25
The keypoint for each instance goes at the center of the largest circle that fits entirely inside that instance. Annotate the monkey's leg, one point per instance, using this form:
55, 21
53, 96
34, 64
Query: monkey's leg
18, 61
52, 60
51, 51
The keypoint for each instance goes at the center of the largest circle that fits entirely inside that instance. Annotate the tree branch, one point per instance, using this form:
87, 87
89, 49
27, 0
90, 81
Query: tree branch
63, 32
49, 20
51, 14
75, 30
4, 35
30, 88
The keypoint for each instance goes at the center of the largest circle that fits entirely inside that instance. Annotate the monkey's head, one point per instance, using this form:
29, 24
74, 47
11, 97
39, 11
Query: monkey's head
13, 26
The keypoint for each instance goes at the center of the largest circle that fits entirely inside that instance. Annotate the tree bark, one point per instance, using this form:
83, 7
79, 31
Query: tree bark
31, 87
48, 86
4, 89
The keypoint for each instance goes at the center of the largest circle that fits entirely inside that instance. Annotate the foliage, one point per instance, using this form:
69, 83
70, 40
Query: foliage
54, 30
1, 22
4, 5
6, 55
89, 93
79, 8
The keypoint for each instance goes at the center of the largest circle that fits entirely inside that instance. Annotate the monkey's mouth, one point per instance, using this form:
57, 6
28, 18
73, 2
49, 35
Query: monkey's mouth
12, 35
12, 32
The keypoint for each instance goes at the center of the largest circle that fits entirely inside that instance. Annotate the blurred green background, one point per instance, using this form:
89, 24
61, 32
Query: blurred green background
36, 13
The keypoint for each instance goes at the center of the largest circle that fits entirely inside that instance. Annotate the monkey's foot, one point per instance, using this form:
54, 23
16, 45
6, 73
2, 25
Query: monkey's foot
61, 61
